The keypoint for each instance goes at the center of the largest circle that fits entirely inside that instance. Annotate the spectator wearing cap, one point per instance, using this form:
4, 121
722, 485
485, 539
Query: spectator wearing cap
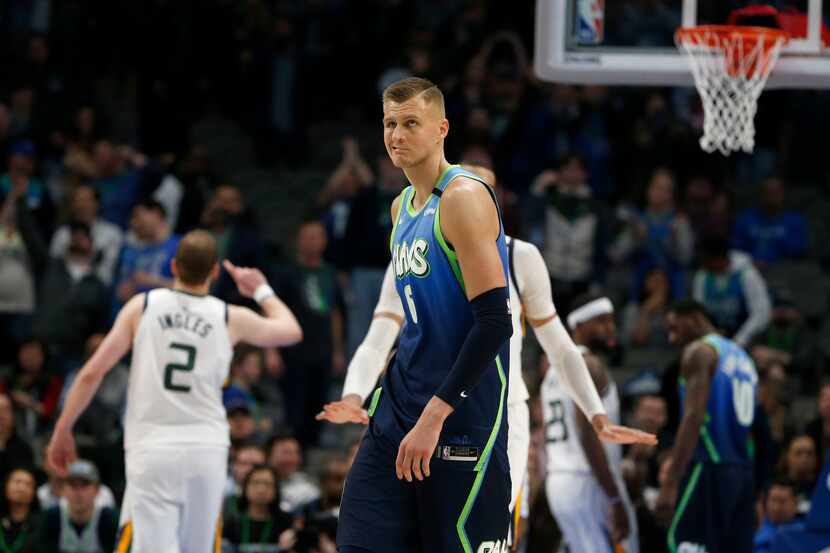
246, 383
14, 451
770, 233
72, 298
78, 525
144, 264
241, 422
732, 290
107, 238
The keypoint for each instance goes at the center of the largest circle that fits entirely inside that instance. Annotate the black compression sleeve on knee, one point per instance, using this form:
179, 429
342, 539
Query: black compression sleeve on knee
492, 326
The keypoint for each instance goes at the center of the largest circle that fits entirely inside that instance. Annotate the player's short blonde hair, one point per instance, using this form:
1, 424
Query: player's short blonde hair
195, 257
411, 87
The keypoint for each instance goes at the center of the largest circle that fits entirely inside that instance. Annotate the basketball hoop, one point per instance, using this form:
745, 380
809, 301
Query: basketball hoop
730, 65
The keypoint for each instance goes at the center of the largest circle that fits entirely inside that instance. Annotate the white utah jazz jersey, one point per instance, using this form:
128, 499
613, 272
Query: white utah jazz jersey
562, 446
180, 361
516, 387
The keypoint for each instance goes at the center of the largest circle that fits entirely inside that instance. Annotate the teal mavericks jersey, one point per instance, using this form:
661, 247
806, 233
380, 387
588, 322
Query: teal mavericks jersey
725, 436
438, 319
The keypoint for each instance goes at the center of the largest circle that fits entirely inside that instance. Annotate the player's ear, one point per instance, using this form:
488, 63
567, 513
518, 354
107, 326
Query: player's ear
214, 273
173, 269
444, 128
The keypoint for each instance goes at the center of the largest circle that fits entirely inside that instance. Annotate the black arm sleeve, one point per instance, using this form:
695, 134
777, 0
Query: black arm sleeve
492, 326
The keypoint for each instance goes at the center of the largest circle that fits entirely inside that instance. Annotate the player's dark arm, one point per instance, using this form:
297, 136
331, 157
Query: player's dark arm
699, 361
594, 452
470, 222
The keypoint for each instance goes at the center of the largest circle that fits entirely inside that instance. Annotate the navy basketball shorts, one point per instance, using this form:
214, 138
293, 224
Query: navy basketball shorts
715, 510
455, 510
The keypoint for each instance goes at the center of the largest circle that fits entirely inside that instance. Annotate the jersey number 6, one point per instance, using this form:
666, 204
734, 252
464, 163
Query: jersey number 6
184, 367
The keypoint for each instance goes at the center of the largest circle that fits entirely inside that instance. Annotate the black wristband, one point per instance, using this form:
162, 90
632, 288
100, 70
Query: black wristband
492, 326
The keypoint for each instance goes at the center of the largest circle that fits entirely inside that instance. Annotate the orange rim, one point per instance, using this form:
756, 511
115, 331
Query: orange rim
728, 32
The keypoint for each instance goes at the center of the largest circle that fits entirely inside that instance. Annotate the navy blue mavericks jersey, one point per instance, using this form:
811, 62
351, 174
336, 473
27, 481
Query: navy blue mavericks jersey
438, 319
725, 436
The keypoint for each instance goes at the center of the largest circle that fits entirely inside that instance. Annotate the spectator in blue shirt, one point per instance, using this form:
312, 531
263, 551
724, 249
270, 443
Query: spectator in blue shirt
768, 232
780, 508
145, 261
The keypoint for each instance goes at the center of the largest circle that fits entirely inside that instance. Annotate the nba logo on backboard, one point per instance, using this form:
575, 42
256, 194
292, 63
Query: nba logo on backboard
590, 19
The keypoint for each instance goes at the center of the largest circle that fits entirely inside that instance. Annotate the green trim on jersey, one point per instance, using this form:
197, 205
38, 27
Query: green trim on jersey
684, 501
481, 466
375, 399
709, 444
452, 258
403, 198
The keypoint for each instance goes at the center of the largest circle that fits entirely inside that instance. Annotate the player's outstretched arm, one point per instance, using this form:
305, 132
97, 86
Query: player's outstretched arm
698, 363
562, 353
279, 327
61, 449
370, 358
470, 222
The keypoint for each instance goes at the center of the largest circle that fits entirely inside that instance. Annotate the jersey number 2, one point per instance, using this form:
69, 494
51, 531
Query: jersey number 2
407, 291
187, 366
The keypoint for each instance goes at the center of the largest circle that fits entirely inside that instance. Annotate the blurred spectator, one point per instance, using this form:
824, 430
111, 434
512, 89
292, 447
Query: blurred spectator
780, 508
643, 322
732, 290
819, 428
332, 478
197, 179
769, 233
649, 532
119, 175
246, 383
106, 237
650, 414
245, 458
5, 121
145, 264
799, 464
310, 289
72, 299
226, 218
33, 390
260, 525
775, 397
79, 525
242, 424
52, 492
697, 203
574, 234
365, 250
785, 346
286, 457
14, 451
347, 179
658, 236
25, 217
19, 510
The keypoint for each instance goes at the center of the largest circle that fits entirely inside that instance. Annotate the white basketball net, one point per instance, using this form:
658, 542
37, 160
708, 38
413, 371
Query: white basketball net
730, 71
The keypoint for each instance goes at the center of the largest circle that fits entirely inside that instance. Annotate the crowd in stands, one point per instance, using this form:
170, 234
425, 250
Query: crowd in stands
100, 176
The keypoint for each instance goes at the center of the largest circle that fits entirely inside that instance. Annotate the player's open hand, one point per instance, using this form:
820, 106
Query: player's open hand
60, 453
247, 279
348, 409
620, 434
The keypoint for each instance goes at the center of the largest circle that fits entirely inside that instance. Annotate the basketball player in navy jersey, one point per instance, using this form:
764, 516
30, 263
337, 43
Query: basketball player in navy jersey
431, 474
708, 493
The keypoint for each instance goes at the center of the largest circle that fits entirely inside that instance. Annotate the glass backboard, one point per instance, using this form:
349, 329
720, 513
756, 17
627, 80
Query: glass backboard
632, 41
